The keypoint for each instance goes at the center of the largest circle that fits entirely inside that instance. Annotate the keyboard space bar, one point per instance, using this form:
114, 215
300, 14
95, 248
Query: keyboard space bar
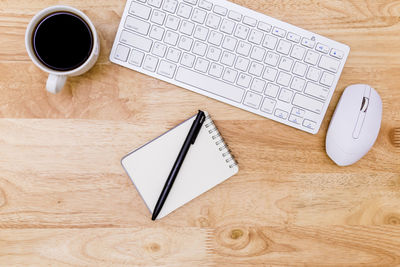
209, 84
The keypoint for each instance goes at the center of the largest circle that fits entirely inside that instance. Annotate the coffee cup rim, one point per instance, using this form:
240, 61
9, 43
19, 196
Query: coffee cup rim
38, 17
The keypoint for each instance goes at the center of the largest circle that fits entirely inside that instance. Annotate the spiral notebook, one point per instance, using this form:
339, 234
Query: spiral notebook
208, 163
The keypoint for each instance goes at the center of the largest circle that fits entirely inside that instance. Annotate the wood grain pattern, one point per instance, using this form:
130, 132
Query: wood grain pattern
65, 200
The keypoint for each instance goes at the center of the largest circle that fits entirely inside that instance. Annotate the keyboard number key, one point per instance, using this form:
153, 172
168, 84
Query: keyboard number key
270, 42
227, 26
205, 5
199, 16
184, 10
268, 105
299, 69
252, 100
170, 5
298, 52
284, 47
213, 21
311, 57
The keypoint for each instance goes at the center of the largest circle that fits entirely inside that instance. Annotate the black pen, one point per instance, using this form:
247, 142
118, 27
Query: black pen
190, 139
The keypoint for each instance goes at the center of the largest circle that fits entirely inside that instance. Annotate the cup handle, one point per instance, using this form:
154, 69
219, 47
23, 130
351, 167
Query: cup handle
55, 83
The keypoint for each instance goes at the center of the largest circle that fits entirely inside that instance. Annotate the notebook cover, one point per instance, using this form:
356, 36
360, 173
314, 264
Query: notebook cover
208, 163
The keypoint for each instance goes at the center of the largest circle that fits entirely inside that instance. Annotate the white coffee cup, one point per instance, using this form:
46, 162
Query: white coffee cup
57, 79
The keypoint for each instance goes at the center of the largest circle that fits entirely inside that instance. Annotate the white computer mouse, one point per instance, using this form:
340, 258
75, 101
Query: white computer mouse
355, 125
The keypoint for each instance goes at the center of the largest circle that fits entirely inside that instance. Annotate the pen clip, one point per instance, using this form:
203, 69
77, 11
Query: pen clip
200, 118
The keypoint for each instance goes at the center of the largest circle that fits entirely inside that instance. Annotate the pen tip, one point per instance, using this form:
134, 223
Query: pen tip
154, 217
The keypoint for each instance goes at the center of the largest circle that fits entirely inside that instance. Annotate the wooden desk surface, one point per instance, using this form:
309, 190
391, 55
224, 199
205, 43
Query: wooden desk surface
65, 200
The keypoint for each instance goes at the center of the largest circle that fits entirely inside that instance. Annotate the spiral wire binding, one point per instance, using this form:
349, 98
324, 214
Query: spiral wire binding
219, 141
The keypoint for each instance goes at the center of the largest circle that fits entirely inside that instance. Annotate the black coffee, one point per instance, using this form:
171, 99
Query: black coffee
62, 41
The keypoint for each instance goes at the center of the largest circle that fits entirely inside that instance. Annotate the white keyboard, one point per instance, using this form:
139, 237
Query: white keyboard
233, 54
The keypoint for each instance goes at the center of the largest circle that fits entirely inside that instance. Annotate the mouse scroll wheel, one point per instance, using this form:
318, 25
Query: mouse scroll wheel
364, 104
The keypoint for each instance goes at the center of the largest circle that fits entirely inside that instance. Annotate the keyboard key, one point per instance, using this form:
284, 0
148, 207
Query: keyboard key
211, 85
311, 57
192, 2
227, 26
202, 65
158, 17
229, 43
322, 48
215, 38
286, 95
184, 11
268, 105
216, 70
298, 52
337, 53
308, 103
213, 21
242, 32
272, 59
313, 74
317, 91
173, 54
249, 21
281, 114
264, 26
171, 38
136, 58
252, 100
137, 25
297, 84
228, 58
157, 32
256, 69
242, 64
299, 69
256, 37
308, 43
293, 37
243, 48
244, 80
199, 15
187, 27
140, 10
136, 41
150, 63
298, 112
272, 90
309, 124
279, 32
201, 33
166, 69
330, 64
295, 119
258, 53
214, 53
220, 10
155, 3
284, 47
205, 5
286, 63
159, 49
122, 52
270, 42
188, 60
284, 79
270, 74
170, 5
172, 22
199, 48
230, 75
235, 16
327, 79
185, 43
258, 85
